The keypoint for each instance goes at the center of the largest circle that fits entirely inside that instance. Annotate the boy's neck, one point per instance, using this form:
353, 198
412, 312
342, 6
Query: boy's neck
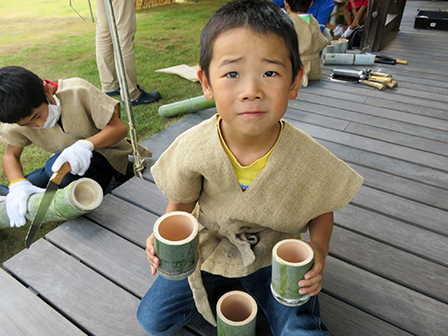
247, 150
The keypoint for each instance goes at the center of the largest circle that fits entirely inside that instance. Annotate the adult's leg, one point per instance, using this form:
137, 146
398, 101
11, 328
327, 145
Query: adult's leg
284, 321
104, 50
127, 26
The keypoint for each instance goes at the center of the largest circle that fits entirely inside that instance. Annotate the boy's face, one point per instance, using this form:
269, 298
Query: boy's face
37, 118
250, 80
40, 114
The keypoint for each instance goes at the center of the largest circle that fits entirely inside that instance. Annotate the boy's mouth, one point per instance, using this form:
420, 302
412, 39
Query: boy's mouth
251, 114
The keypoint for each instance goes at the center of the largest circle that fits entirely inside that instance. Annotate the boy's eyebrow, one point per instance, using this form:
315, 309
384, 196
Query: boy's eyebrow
34, 116
230, 61
273, 61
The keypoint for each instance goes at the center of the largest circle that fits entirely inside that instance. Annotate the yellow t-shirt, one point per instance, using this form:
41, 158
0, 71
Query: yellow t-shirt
246, 174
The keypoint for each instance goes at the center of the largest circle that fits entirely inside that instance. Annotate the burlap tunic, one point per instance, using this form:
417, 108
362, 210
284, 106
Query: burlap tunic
311, 43
301, 181
85, 111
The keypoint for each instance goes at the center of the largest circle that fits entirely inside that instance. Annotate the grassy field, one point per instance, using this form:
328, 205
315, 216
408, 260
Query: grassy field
51, 39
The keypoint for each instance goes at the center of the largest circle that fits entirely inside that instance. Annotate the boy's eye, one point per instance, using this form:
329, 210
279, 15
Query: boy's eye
232, 74
270, 73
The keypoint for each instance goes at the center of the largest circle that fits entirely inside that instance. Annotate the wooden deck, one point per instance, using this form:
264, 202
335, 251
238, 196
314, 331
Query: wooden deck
387, 271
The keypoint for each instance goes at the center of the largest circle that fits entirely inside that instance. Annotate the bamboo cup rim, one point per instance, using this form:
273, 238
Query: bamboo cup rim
306, 249
194, 227
240, 297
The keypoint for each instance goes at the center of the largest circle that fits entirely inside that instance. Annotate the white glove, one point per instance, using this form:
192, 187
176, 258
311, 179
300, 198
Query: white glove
16, 201
78, 155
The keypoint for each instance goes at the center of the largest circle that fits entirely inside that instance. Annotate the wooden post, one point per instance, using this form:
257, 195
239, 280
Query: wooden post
382, 17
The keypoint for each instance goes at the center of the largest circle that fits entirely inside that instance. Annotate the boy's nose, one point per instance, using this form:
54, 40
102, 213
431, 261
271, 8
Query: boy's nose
38, 123
252, 90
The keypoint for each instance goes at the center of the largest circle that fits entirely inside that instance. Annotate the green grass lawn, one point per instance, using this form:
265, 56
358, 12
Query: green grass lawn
52, 40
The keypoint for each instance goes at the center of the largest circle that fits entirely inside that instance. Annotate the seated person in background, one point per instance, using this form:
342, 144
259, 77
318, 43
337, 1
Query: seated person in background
353, 20
321, 10
311, 40
335, 24
76, 121
280, 3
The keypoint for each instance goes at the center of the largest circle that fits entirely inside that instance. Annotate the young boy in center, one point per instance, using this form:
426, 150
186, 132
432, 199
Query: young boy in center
251, 178
311, 40
75, 121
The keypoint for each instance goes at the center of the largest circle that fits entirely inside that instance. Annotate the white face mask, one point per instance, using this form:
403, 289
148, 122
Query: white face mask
54, 113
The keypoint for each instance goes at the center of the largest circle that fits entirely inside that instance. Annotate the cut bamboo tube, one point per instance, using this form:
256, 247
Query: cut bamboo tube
79, 197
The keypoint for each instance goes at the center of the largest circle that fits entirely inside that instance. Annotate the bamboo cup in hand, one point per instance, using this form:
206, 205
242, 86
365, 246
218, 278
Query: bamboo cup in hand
291, 260
176, 244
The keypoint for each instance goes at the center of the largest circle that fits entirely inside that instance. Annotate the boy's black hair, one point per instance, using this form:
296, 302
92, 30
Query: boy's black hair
262, 17
21, 91
299, 6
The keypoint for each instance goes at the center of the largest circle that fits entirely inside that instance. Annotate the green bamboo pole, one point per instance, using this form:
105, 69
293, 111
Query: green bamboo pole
79, 197
185, 106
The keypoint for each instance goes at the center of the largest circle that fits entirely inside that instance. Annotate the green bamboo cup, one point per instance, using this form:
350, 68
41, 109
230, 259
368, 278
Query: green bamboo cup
237, 314
176, 244
291, 260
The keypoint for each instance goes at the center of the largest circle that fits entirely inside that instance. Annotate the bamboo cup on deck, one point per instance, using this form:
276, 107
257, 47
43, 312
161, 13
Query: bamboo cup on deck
291, 260
176, 244
237, 314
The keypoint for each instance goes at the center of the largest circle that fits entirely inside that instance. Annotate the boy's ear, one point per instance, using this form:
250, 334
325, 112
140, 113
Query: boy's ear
208, 94
294, 90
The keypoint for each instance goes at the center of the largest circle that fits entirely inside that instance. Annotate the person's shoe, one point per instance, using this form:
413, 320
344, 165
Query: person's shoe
146, 98
113, 93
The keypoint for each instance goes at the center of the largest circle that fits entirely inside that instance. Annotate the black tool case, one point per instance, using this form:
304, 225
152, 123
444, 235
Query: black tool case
437, 20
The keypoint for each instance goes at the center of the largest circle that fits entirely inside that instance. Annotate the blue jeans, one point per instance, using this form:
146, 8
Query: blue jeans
99, 170
169, 305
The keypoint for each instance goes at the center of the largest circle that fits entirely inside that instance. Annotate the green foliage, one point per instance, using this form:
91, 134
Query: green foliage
52, 40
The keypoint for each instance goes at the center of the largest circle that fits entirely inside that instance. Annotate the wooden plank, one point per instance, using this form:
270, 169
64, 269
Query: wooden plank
23, 313
412, 114
390, 263
372, 120
399, 186
316, 119
125, 219
393, 232
344, 319
417, 214
143, 194
77, 291
106, 253
390, 165
380, 147
421, 98
406, 140
393, 303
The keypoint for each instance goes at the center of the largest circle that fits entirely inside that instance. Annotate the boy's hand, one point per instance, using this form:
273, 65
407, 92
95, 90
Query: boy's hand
16, 201
312, 285
151, 254
78, 155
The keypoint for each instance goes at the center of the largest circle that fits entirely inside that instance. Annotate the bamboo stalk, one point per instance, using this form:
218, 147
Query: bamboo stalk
185, 106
